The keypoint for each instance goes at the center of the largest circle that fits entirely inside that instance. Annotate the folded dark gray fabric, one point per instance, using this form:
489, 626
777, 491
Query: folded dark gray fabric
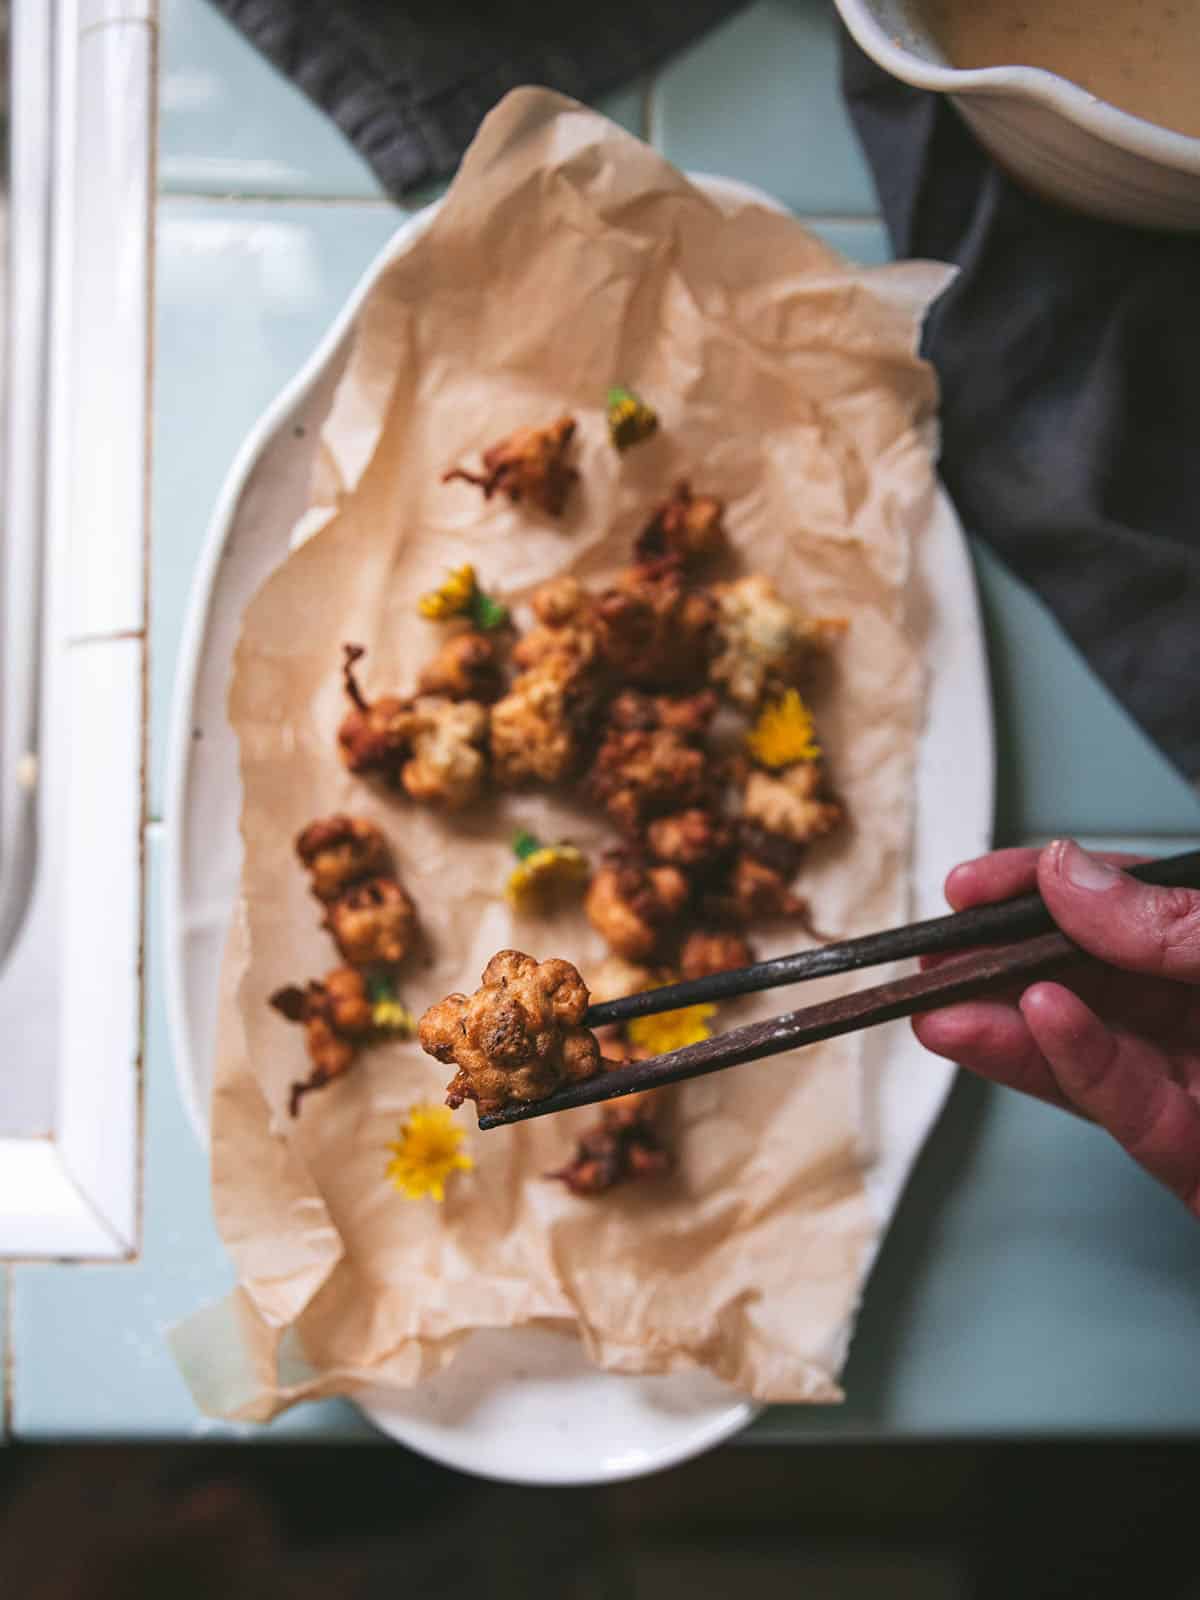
1068, 351
409, 81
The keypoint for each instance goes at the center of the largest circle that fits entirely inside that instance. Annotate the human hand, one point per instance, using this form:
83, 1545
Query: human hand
1118, 1040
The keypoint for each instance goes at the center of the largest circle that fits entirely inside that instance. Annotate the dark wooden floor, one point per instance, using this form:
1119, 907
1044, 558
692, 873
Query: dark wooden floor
837, 1520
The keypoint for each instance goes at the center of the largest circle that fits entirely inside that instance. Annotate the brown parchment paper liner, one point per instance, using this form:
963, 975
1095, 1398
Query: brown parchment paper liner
567, 256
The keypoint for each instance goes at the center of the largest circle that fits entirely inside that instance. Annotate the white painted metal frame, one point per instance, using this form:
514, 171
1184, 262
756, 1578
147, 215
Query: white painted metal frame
71, 987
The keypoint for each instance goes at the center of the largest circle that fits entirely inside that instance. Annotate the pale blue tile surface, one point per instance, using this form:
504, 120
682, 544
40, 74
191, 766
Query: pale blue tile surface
1070, 757
1034, 1281
758, 99
230, 124
96, 1361
861, 239
245, 292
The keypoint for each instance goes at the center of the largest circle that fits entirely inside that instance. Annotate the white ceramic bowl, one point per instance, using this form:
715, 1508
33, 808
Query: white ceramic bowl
1054, 136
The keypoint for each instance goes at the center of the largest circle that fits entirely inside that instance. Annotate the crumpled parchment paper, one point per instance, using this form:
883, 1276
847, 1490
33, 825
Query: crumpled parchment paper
567, 256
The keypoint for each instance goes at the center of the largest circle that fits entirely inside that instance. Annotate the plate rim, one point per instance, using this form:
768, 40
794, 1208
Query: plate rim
721, 1424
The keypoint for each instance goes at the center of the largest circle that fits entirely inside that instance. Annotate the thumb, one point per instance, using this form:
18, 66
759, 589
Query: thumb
1119, 920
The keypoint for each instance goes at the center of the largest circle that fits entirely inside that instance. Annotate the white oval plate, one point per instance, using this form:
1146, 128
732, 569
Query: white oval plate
525, 1405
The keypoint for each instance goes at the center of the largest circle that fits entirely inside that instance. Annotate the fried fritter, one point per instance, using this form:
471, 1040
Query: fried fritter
695, 837
537, 728
448, 764
633, 905
375, 736
336, 1014
655, 631
340, 850
687, 526
637, 776
374, 924
614, 977
759, 893
708, 951
626, 1143
790, 803
518, 1037
688, 715
529, 464
763, 643
467, 667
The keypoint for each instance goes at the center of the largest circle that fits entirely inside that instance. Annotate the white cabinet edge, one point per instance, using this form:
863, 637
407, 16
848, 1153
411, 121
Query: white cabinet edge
73, 1192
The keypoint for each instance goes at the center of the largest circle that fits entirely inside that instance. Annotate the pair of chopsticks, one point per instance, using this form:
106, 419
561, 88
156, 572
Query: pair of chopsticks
1031, 947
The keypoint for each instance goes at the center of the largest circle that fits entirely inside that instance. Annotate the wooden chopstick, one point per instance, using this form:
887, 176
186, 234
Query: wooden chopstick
1003, 923
960, 979
964, 978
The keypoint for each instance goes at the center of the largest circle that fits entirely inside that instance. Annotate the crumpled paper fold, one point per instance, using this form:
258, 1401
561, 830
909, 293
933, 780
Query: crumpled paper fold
567, 256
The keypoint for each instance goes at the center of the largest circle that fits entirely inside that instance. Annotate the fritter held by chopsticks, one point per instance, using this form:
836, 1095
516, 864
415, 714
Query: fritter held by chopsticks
518, 1037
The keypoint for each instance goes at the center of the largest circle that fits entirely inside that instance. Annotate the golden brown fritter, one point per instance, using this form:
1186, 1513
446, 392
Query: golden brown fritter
448, 764
375, 736
754, 892
518, 1037
337, 1018
339, 851
640, 775
687, 526
708, 951
695, 837
655, 631
790, 803
614, 977
762, 643
633, 906
566, 629
467, 667
529, 464
537, 728
626, 1143
374, 924
688, 715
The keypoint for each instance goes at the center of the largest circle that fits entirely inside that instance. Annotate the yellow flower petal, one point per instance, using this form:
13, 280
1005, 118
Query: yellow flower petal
671, 1030
427, 1152
391, 1017
452, 598
784, 733
543, 873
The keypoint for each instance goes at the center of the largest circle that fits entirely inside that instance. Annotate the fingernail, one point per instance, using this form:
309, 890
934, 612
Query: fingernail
1085, 871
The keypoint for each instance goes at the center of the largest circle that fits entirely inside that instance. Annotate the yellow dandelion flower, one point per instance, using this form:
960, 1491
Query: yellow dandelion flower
671, 1030
545, 873
453, 598
630, 419
389, 1016
427, 1153
784, 733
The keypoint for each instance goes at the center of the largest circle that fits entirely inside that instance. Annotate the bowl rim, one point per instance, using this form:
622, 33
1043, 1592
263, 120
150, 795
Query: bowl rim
1180, 151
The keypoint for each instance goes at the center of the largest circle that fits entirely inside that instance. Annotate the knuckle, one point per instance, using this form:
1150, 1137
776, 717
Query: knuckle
1176, 930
